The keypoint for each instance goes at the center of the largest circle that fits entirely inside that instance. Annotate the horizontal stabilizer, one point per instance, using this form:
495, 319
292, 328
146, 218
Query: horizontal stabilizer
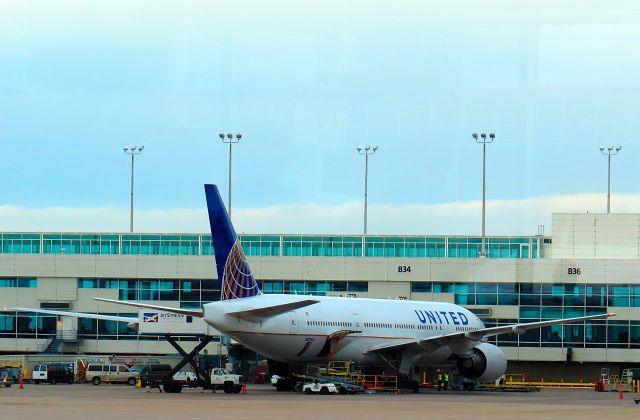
188, 312
257, 314
76, 314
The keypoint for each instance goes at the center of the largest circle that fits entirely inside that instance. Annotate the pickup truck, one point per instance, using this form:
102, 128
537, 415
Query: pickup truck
189, 379
228, 382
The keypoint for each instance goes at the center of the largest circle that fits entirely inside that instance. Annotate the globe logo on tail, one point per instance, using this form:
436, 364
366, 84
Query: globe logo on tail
237, 280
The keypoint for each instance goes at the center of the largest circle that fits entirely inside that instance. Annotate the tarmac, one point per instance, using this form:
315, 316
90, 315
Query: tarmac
85, 401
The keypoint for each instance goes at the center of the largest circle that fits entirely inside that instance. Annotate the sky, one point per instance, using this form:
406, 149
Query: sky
305, 82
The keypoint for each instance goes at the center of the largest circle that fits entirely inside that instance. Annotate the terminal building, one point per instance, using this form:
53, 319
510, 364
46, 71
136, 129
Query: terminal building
591, 265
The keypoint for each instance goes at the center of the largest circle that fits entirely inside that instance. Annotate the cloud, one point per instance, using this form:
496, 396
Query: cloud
504, 217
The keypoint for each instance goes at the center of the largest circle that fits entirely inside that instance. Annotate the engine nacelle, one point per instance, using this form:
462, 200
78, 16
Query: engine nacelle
133, 326
485, 363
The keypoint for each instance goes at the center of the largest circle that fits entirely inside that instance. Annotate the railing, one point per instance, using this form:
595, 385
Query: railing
382, 383
341, 372
518, 381
67, 335
42, 347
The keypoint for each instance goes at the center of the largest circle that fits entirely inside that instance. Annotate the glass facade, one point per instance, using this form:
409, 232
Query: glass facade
315, 288
538, 295
533, 302
26, 325
539, 302
28, 282
37, 326
270, 245
191, 293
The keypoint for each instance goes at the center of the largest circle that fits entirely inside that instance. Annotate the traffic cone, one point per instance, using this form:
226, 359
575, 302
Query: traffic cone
244, 389
4, 381
20, 382
621, 396
138, 383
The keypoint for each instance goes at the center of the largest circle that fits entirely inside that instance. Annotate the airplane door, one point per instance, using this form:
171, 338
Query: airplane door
293, 317
357, 324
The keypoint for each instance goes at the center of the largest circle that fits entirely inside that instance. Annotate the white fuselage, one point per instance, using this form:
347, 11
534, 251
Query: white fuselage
302, 335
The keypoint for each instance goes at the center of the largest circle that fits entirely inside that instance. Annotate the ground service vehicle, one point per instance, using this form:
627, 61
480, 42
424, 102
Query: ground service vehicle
222, 379
189, 379
53, 373
154, 373
98, 373
317, 387
11, 374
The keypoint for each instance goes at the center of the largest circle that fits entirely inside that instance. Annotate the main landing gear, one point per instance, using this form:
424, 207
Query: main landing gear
287, 381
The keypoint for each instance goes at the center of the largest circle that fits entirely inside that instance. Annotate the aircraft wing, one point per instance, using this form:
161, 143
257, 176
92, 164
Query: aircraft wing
76, 314
197, 313
463, 339
393, 345
520, 328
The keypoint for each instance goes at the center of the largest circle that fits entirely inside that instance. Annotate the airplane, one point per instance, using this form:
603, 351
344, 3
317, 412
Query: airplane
292, 330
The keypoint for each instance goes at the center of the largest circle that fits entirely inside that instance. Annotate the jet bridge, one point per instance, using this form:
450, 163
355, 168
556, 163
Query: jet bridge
155, 322
170, 326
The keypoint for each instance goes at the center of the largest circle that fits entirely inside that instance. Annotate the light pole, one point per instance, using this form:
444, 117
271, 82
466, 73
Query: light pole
230, 139
366, 151
484, 139
608, 152
133, 151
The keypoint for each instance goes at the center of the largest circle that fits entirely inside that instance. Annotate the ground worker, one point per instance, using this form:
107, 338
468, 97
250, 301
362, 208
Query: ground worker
151, 384
439, 379
446, 380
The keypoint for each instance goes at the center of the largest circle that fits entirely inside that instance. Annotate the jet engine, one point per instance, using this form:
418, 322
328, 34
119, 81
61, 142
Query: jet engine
486, 362
133, 326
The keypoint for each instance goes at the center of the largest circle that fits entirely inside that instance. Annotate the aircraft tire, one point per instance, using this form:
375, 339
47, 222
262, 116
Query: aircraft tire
468, 386
172, 387
415, 386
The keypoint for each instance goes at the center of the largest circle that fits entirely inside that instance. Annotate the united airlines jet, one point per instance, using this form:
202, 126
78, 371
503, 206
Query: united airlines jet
293, 330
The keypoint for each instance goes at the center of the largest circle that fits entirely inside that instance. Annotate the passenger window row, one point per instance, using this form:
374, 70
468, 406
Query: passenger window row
464, 328
330, 323
377, 325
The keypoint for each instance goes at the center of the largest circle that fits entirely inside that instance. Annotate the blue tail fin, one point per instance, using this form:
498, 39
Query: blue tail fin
234, 273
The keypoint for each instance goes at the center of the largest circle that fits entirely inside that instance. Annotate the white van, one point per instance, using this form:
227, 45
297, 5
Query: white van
98, 373
53, 373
